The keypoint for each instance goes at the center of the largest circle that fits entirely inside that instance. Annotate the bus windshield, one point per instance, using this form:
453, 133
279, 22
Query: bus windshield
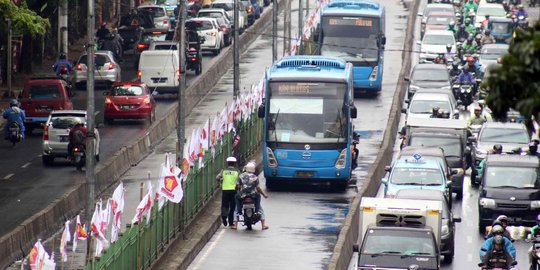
307, 112
354, 39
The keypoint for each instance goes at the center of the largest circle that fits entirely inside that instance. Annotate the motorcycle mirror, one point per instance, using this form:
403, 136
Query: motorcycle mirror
472, 139
481, 265
456, 219
387, 168
353, 112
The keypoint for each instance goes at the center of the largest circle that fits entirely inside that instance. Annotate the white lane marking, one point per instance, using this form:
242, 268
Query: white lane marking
209, 250
8, 176
26, 165
469, 257
39, 155
469, 239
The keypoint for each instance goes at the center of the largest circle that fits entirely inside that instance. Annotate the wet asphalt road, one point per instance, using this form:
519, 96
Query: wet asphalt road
27, 187
305, 221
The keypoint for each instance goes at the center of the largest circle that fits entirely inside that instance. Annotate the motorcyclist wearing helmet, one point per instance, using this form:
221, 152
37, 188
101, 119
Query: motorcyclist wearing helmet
452, 27
102, 32
470, 5
477, 118
474, 65
533, 149
77, 135
469, 27
503, 221
62, 65
497, 150
470, 45
497, 230
485, 23
498, 256
448, 55
487, 38
435, 112
440, 59
532, 236
521, 12
462, 33
14, 114
465, 77
455, 71
248, 185
112, 43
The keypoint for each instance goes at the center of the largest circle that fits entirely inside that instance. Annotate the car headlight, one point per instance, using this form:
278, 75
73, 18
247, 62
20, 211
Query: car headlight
445, 230
535, 204
480, 153
390, 194
487, 203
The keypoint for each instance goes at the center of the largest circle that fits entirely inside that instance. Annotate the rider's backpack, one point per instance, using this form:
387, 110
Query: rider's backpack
78, 137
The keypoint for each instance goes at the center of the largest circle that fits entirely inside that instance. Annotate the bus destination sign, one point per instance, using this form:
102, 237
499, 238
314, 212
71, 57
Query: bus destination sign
364, 22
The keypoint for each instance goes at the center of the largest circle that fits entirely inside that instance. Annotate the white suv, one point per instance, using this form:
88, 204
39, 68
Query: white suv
434, 43
159, 15
227, 5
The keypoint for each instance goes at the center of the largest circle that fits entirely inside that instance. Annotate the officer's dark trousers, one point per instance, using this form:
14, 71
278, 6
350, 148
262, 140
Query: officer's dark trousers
228, 205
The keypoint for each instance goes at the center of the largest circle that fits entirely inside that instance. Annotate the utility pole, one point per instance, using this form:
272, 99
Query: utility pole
63, 28
288, 36
286, 11
236, 52
181, 125
300, 22
274, 29
9, 57
90, 136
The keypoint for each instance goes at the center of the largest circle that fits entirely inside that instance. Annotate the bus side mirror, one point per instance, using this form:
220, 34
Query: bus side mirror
354, 112
261, 111
355, 248
383, 40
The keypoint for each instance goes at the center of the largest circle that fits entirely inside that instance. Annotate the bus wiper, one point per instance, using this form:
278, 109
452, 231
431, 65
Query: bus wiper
340, 126
275, 127
385, 252
410, 184
409, 254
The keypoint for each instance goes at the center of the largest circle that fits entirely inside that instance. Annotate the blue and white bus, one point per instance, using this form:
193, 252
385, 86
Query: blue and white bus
307, 110
354, 31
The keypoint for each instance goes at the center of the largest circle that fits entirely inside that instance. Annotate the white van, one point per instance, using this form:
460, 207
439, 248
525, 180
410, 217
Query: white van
159, 70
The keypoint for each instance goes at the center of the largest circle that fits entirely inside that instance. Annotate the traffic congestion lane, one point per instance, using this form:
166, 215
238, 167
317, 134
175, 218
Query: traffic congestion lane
29, 186
304, 221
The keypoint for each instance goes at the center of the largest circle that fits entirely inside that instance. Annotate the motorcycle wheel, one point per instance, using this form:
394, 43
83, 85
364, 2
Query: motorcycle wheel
249, 225
198, 70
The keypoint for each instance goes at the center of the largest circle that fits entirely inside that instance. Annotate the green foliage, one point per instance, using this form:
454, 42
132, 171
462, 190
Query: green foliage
516, 83
24, 21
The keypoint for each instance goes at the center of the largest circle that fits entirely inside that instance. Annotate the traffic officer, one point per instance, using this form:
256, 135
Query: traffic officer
228, 179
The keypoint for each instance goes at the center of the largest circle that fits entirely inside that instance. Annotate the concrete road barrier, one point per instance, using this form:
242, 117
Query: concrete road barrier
43, 224
349, 233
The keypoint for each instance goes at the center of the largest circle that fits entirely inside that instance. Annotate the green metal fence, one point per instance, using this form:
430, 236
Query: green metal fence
140, 244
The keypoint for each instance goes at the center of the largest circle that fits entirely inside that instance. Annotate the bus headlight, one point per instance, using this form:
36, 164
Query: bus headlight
340, 163
374, 73
272, 161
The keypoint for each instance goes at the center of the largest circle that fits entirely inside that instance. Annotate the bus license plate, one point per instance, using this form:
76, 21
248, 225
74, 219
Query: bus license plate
304, 174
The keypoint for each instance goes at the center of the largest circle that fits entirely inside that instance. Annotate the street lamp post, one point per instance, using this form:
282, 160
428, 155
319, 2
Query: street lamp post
9, 69
236, 52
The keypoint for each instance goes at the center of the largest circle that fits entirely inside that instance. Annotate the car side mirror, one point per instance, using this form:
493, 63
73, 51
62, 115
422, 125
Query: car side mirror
387, 168
355, 248
354, 112
384, 181
383, 40
403, 110
456, 219
407, 79
407, 101
356, 136
261, 111
449, 184
472, 139
106, 93
421, 14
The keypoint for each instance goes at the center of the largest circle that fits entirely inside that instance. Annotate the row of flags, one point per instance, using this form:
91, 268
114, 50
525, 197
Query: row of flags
311, 21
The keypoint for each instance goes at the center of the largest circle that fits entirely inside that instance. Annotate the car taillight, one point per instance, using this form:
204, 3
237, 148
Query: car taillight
111, 66
250, 9
108, 100
141, 46
79, 67
139, 74
76, 149
146, 100
224, 28
46, 133
165, 21
178, 73
194, 59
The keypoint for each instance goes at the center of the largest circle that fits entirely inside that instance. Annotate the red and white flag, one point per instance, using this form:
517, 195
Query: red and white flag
117, 207
40, 259
105, 217
185, 162
205, 136
170, 186
144, 207
214, 131
101, 241
79, 233
223, 123
193, 147
66, 237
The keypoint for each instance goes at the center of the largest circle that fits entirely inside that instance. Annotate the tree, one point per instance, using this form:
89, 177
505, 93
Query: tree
24, 21
516, 83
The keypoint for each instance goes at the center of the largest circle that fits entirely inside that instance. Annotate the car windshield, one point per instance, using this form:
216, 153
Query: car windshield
426, 106
500, 27
511, 177
437, 20
430, 75
167, 2
210, 14
398, 242
158, 36
127, 90
154, 11
43, 92
307, 112
491, 11
450, 145
225, 6
416, 176
437, 9
435, 39
205, 25
504, 135
492, 53
64, 122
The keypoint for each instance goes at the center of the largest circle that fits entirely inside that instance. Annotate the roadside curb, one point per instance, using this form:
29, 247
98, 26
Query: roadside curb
349, 233
46, 222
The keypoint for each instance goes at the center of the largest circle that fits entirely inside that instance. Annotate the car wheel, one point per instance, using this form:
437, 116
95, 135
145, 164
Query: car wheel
270, 184
47, 160
474, 174
152, 117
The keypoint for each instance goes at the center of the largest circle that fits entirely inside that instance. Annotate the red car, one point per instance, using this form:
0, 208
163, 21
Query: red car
129, 100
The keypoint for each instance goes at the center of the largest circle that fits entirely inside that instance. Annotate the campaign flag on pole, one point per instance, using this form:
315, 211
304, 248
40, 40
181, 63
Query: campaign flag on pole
194, 147
37, 256
215, 131
205, 136
170, 186
144, 206
185, 161
105, 217
223, 123
79, 233
117, 205
101, 242
66, 237
150, 192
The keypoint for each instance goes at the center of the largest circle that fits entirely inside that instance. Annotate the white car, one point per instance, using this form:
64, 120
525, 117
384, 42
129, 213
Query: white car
434, 43
493, 10
107, 70
212, 33
159, 15
490, 53
436, 8
56, 134
423, 102
227, 5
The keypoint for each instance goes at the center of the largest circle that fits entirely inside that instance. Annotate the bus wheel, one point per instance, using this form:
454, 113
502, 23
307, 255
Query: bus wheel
270, 184
340, 186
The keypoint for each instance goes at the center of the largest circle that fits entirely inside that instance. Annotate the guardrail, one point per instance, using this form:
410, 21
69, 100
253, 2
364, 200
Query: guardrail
141, 244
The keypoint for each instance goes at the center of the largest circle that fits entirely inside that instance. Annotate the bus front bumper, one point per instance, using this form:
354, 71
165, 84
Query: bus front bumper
309, 174
366, 86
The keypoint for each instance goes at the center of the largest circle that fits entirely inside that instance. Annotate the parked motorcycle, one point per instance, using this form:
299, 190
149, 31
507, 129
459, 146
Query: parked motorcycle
14, 133
78, 156
251, 216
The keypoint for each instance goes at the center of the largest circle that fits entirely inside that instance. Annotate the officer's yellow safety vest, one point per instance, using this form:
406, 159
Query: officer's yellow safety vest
229, 179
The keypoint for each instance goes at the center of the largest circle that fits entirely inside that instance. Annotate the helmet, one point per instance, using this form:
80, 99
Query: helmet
502, 218
14, 103
470, 60
77, 121
498, 240
62, 55
520, 6
498, 148
452, 23
455, 64
478, 109
487, 16
250, 167
445, 114
497, 229
533, 147
465, 68
538, 218
487, 32
470, 39
468, 20
231, 159
449, 46
436, 110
